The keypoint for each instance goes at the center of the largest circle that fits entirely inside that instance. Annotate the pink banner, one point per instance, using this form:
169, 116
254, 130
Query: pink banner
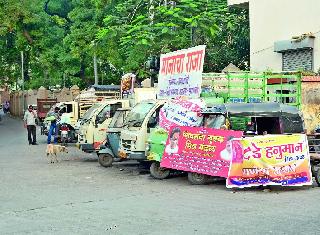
197, 149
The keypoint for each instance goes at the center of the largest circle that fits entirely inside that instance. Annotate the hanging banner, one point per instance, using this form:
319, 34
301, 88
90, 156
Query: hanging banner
181, 73
127, 84
270, 160
201, 150
181, 112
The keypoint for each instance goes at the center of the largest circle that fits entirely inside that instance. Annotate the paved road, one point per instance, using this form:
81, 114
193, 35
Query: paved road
77, 196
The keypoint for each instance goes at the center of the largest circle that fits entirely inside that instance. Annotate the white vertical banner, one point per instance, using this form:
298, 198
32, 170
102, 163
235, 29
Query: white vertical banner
181, 73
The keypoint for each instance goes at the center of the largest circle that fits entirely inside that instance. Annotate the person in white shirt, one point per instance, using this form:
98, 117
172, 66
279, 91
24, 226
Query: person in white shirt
173, 147
30, 123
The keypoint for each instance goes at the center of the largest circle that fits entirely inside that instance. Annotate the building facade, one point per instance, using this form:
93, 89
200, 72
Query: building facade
284, 34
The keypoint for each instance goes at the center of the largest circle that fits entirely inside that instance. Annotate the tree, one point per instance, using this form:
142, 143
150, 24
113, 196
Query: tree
60, 37
138, 29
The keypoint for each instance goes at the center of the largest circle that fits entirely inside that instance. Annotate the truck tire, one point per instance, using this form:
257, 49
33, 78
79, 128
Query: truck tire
105, 159
197, 179
317, 177
158, 172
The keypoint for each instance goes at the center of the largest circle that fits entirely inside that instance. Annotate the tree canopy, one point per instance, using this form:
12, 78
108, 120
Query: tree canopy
59, 37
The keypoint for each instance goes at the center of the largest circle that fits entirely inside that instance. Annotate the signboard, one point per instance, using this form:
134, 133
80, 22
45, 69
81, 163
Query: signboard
181, 112
202, 150
181, 73
127, 84
270, 160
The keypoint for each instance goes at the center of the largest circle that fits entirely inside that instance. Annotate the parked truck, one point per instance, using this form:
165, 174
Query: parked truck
140, 121
75, 110
43, 107
92, 132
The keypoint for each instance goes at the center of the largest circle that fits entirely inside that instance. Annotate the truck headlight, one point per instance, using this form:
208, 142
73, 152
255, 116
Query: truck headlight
148, 148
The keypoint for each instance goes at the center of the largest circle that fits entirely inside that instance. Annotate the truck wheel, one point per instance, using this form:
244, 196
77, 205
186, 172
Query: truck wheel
105, 159
158, 172
198, 179
317, 177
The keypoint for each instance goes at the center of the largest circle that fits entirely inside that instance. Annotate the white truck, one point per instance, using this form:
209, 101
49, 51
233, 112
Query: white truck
94, 125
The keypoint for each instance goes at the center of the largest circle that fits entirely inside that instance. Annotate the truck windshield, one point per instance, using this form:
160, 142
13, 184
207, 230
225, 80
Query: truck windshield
118, 119
90, 111
137, 114
60, 106
214, 121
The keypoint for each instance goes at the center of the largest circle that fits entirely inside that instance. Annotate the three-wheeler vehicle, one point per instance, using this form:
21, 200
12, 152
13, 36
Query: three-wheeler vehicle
253, 119
109, 150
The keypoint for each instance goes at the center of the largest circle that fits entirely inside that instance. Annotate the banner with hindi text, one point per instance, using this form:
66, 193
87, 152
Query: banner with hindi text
181, 73
181, 112
270, 160
201, 150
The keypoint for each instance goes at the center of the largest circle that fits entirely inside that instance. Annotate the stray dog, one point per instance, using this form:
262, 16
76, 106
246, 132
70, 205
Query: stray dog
52, 150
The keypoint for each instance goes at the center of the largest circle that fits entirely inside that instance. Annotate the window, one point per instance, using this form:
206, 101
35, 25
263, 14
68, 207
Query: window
114, 108
107, 112
297, 60
65, 108
138, 113
118, 119
154, 119
103, 115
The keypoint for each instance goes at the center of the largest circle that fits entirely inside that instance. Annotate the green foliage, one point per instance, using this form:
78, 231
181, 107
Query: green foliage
139, 30
60, 37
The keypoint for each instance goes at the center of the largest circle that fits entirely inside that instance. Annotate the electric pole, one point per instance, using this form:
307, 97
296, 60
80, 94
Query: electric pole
22, 76
95, 66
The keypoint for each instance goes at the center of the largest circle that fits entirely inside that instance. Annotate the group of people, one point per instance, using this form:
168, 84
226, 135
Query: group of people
30, 123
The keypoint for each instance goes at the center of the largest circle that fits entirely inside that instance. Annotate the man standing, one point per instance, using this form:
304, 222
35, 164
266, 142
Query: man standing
54, 118
30, 123
6, 106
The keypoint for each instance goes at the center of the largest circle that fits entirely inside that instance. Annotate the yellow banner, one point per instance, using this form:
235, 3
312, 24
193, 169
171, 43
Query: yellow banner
270, 160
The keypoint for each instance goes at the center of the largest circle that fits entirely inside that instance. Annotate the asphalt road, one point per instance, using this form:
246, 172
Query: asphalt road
78, 196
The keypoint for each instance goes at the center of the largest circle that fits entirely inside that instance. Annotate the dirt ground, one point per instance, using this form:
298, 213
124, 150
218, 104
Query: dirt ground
78, 196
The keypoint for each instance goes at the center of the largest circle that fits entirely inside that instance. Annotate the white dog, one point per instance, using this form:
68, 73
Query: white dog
52, 150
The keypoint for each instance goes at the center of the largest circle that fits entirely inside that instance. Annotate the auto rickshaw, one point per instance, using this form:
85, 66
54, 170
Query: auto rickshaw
110, 149
253, 119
